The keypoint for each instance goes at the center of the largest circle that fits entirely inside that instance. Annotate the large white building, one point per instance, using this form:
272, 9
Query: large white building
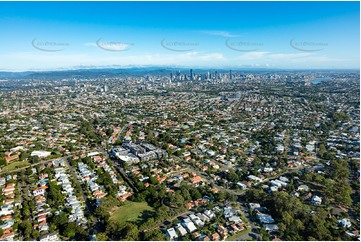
40, 153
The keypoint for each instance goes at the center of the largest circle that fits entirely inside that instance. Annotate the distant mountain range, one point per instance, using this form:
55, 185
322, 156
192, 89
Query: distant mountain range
103, 72
78, 73
96, 72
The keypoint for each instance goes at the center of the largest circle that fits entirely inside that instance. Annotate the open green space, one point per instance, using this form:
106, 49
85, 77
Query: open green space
15, 165
237, 235
130, 211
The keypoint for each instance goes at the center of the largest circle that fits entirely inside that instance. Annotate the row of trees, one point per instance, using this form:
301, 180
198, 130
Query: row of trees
337, 186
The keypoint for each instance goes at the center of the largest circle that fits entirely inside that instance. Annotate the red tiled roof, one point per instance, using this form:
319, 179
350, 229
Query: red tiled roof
4, 236
196, 179
6, 217
215, 237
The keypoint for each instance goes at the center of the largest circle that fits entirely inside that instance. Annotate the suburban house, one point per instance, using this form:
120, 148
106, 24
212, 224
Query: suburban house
189, 225
171, 233
181, 230
49, 237
316, 200
9, 157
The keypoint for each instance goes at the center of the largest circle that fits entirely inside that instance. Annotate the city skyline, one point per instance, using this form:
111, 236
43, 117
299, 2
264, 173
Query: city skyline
284, 35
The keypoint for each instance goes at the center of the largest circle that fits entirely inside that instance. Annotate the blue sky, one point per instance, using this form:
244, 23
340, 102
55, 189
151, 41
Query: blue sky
291, 35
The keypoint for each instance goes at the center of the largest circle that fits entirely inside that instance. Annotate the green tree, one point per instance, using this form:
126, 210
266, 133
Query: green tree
155, 235
34, 159
106, 204
153, 180
322, 150
28, 172
178, 198
264, 234
185, 194
26, 229
69, 230
130, 232
102, 236
23, 155
35, 234
54, 196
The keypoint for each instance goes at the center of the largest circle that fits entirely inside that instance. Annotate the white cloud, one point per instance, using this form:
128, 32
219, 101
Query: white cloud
63, 59
220, 33
255, 55
46, 60
289, 60
213, 56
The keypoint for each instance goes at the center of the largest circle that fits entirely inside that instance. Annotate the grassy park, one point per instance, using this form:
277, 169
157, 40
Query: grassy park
15, 165
130, 211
